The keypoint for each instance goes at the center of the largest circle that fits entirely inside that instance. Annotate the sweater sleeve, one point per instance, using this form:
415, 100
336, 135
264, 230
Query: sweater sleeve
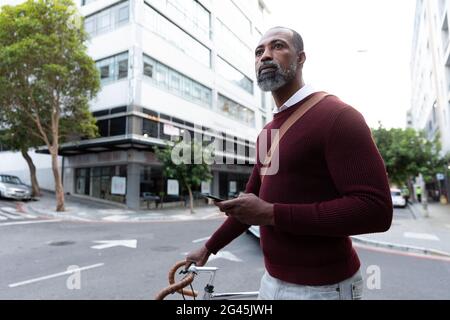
232, 228
359, 175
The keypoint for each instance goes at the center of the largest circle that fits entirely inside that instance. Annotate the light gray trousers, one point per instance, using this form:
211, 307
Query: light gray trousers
274, 289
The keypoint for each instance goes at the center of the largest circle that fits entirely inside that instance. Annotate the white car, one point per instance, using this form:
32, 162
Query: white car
12, 187
397, 198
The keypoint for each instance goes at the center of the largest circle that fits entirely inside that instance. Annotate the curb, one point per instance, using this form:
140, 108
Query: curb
400, 247
68, 217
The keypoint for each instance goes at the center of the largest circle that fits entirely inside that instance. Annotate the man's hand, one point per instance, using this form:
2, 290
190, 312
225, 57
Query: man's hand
199, 257
248, 209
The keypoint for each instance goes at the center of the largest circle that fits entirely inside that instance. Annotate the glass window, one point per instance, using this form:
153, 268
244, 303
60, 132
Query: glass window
233, 48
168, 78
148, 67
103, 22
235, 111
113, 68
150, 128
117, 126
189, 14
89, 25
107, 19
233, 75
123, 69
177, 37
103, 128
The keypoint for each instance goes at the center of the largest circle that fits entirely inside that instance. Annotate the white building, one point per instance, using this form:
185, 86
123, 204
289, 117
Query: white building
168, 66
430, 71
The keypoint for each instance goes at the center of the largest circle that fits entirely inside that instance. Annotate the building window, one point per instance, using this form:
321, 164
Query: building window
83, 181
169, 79
236, 111
233, 48
233, 75
150, 128
112, 127
190, 14
101, 182
106, 20
177, 37
113, 68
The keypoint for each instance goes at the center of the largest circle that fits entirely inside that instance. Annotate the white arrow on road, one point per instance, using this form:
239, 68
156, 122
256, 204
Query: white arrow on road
115, 243
227, 255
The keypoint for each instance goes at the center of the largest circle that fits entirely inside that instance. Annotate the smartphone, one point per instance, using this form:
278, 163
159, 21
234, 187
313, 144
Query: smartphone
213, 198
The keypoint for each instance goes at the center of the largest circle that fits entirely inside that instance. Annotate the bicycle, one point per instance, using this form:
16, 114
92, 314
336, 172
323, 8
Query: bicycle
190, 274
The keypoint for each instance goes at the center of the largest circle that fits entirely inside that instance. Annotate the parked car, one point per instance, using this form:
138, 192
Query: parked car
398, 200
13, 188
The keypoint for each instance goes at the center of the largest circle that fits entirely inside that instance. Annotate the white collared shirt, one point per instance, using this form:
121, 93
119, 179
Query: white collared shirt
301, 94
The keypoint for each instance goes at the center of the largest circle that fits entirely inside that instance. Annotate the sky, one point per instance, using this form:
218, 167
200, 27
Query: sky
358, 50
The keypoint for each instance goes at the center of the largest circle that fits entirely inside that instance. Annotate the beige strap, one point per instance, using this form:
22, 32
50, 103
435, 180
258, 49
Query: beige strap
293, 118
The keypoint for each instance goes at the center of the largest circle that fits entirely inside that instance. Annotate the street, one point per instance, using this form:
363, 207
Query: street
124, 260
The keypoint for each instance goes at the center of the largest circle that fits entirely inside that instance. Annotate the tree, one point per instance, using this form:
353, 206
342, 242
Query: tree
184, 161
407, 153
46, 74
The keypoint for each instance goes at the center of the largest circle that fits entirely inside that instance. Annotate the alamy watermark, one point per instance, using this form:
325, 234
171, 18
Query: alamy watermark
212, 147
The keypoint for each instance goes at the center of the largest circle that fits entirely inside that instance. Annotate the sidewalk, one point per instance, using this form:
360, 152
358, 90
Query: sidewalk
420, 234
80, 209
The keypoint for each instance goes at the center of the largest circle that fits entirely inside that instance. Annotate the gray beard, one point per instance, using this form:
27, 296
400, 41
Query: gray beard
273, 81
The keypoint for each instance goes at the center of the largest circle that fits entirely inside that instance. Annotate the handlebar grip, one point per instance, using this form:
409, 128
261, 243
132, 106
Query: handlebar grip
177, 287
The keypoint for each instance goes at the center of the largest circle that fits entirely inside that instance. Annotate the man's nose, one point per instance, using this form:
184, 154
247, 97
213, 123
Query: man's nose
267, 55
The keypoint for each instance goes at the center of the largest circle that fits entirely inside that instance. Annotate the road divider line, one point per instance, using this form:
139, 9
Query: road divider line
18, 284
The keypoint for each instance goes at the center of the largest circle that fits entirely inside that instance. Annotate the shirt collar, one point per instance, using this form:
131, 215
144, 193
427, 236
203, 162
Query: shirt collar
301, 94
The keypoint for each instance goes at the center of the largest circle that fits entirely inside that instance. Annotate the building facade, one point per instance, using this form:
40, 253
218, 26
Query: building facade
430, 71
167, 68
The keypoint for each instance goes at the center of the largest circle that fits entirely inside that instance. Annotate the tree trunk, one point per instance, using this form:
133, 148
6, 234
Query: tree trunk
191, 199
59, 190
35, 189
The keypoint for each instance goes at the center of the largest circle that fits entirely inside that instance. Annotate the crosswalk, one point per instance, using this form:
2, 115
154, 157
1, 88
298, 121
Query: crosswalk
8, 214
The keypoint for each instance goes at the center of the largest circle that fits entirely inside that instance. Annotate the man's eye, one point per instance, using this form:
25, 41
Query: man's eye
258, 53
278, 46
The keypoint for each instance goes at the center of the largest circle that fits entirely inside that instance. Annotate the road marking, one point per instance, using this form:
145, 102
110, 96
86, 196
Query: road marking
422, 236
399, 253
200, 240
2, 217
115, 243
227, 255
18, 284
11, 216
115, 218
26, 222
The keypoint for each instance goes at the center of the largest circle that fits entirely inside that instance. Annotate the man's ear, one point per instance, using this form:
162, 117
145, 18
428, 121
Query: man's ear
301, 58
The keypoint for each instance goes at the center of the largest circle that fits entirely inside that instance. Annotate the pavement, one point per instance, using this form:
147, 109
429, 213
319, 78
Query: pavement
412, 230
86, 210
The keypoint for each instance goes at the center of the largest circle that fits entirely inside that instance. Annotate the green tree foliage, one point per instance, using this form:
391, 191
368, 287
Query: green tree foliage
184, 161
408, 153
46, 76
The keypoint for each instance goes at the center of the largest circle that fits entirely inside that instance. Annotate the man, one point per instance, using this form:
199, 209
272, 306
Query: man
331, 183
419, 193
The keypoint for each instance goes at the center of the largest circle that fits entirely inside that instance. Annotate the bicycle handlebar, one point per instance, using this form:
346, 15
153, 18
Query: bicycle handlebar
178, 287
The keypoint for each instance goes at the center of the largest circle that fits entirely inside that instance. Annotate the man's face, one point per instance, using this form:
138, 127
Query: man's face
276, 60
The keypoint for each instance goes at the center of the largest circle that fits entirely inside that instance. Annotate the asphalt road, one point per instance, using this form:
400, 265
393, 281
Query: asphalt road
34, 257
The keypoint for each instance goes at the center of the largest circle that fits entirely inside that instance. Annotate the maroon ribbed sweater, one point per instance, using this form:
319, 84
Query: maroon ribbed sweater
331, 184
